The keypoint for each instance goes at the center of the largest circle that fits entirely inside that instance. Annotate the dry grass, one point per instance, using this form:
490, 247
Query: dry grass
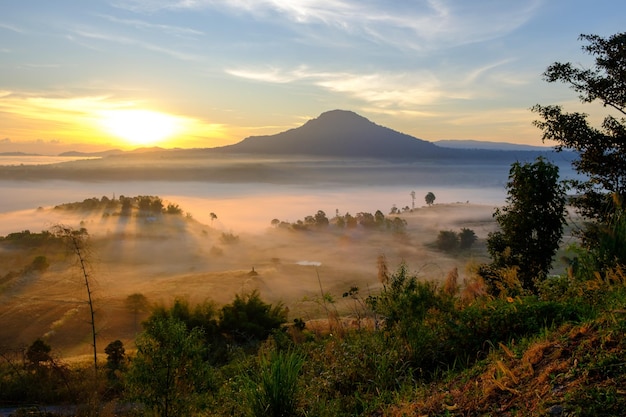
177, 259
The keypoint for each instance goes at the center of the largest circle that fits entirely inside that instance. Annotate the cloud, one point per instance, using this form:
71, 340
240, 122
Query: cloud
384, 89
12, 28
42, 66
140, 24
90, 34
419, 25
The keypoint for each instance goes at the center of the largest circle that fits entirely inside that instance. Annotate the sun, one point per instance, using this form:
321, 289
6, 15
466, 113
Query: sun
140, 127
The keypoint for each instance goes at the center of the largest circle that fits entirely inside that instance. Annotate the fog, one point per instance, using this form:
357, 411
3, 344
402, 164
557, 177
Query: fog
188, 256
240, 207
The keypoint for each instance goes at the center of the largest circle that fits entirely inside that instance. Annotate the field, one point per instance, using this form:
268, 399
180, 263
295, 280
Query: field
169, 257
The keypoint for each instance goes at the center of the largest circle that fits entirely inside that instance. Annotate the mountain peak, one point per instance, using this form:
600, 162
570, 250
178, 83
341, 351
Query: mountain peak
341, 133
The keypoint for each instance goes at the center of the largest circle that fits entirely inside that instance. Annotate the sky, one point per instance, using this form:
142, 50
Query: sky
102, 74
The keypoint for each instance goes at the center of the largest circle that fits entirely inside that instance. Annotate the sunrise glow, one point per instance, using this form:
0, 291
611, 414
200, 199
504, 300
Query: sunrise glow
140, 127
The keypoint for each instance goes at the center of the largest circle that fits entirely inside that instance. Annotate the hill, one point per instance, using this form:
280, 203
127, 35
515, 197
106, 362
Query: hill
343, 133
339, 133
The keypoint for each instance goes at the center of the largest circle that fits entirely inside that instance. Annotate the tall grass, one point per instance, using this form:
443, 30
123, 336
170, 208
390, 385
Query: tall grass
273, 391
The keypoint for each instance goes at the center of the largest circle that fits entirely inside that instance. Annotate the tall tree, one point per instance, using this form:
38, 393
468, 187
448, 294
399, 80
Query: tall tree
601, 150
531, 225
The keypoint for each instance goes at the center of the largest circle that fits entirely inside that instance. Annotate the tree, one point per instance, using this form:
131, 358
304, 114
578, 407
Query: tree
601, 151
116, 354
77, 240
430, 198
467, 237
213, 216
168, 374
137, 303
379, 219
531, 225
248, 319
351, 221
116, 363
320, 219
38, 352
447, 241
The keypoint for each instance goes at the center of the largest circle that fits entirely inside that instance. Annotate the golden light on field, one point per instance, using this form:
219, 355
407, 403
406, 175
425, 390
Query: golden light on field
140, 127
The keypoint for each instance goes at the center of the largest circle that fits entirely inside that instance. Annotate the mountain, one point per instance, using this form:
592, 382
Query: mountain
18, 154
477, 144
339, 133
86, 154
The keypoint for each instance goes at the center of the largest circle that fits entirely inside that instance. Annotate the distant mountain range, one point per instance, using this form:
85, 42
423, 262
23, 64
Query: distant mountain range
477, 144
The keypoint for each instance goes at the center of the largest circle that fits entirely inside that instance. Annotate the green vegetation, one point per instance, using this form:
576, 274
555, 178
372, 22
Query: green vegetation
450, 241
139, 206
531, 225
364, 220
601, 151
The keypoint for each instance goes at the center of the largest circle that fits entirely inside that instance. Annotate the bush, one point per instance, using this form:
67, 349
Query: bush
248, 320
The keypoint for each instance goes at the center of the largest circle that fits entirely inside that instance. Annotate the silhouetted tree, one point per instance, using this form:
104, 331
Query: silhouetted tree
467, 237
38, 352
137, 303
430, 198
447, 240
601, 195
320, 219
531, 224
351, 221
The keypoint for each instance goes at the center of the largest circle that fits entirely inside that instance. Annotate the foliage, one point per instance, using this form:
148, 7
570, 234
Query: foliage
38, 353
202, 317
168, 375
450, 241
248, 319
271, 390
229, 238
27, 239
40, 264
467, 237
447, 241
141, 206
438, 330
368, 221
136, 303
115, 367
531, 224
601, 151
430, 198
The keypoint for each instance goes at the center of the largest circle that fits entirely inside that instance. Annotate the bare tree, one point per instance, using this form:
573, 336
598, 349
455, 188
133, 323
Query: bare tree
77, 240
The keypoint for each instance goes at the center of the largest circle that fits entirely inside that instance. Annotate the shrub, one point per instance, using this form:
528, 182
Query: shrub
447, 241
248, 319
